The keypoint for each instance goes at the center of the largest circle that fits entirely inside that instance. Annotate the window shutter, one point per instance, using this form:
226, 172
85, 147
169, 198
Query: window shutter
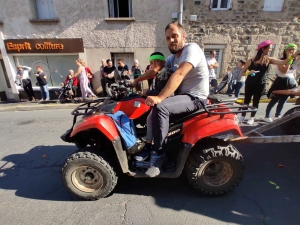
211, 4
43, 9
51, 8
130, 8
111, 8
273, 5
229, 4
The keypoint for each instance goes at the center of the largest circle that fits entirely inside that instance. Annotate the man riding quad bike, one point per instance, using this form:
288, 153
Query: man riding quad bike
193, 146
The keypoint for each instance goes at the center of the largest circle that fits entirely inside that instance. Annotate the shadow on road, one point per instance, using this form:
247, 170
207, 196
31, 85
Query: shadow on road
36, 175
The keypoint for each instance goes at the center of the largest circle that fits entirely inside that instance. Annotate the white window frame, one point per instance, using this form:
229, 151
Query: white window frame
229, 5
111, 8
268, 2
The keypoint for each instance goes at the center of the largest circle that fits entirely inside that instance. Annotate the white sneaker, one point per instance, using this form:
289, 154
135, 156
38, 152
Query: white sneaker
241, 119
268, 119
277, 117
250, 121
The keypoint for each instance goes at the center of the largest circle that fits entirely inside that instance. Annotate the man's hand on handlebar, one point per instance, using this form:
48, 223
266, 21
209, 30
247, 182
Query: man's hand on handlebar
133, 83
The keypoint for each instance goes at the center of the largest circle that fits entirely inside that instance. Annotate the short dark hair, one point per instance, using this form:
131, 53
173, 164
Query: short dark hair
108, 60
211, 52
243, 62
121, 60
177, 24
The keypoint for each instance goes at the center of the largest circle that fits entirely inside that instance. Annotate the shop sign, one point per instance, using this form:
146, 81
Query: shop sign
72, 45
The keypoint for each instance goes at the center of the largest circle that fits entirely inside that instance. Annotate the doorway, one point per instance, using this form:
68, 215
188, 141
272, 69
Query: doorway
219, 55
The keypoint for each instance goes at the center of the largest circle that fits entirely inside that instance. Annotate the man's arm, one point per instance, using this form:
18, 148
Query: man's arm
27, 68
173, 83
175, 80
216, 65
147, 75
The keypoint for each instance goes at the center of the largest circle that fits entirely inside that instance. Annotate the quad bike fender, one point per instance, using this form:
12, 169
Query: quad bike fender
106, 126
196, 130
101, 122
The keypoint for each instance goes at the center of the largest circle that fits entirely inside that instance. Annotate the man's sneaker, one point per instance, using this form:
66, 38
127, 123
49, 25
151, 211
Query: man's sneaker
241, 119
156, 162
142, 155
268, 119
250, 121
47, 99
277, 117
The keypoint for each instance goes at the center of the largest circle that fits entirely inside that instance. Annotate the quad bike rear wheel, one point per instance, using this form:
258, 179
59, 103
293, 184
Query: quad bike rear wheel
214, 167
291, 127
88, 175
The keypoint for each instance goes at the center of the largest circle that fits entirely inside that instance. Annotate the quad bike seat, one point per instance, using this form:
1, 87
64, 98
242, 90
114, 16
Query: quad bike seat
218, 98
180, 118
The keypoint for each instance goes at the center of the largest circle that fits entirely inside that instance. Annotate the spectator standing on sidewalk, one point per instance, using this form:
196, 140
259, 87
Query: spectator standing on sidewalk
43, 83
89, 75
237, 81
212, 65
123, 69
136, 72
84, 88
255, 70
102, 77
285, 79
109, 72
151, 80
22, 79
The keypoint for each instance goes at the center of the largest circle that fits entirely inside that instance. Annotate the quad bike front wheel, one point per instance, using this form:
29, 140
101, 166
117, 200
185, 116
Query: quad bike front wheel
214, 167
88, 175
291, 127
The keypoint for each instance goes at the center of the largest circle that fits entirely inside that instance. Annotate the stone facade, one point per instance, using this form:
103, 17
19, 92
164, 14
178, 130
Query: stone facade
242, 27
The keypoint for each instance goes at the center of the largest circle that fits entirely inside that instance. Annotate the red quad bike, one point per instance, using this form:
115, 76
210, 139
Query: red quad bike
194, 145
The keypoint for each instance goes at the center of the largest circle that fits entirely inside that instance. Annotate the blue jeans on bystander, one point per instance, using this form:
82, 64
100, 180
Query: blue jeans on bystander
44, 91
281, 99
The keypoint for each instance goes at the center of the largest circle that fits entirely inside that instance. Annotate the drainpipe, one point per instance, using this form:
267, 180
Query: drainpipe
180, 11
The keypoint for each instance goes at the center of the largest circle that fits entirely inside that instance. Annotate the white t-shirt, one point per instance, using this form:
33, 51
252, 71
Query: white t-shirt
26, 70
196, 82
289, 73
212, 61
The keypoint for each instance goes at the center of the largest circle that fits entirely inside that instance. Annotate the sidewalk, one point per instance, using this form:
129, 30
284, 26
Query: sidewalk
9, 106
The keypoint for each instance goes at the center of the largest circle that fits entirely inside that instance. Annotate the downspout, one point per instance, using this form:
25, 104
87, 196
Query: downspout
180, 11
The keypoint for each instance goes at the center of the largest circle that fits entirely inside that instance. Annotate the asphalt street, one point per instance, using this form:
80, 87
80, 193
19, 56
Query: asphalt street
31, 190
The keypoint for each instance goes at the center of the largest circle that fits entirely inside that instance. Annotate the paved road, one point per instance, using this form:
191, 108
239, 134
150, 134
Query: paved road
31, 191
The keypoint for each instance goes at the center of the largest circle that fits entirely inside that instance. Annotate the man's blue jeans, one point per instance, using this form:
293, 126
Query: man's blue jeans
281, 99
44, 91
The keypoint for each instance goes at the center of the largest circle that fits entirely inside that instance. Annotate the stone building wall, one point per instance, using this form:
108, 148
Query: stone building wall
242, 27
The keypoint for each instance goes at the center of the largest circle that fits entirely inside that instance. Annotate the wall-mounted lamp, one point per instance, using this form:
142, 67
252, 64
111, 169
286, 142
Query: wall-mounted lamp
193, 18
174, 16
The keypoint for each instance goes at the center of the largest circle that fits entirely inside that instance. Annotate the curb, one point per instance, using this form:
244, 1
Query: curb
38, 107
241, 101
